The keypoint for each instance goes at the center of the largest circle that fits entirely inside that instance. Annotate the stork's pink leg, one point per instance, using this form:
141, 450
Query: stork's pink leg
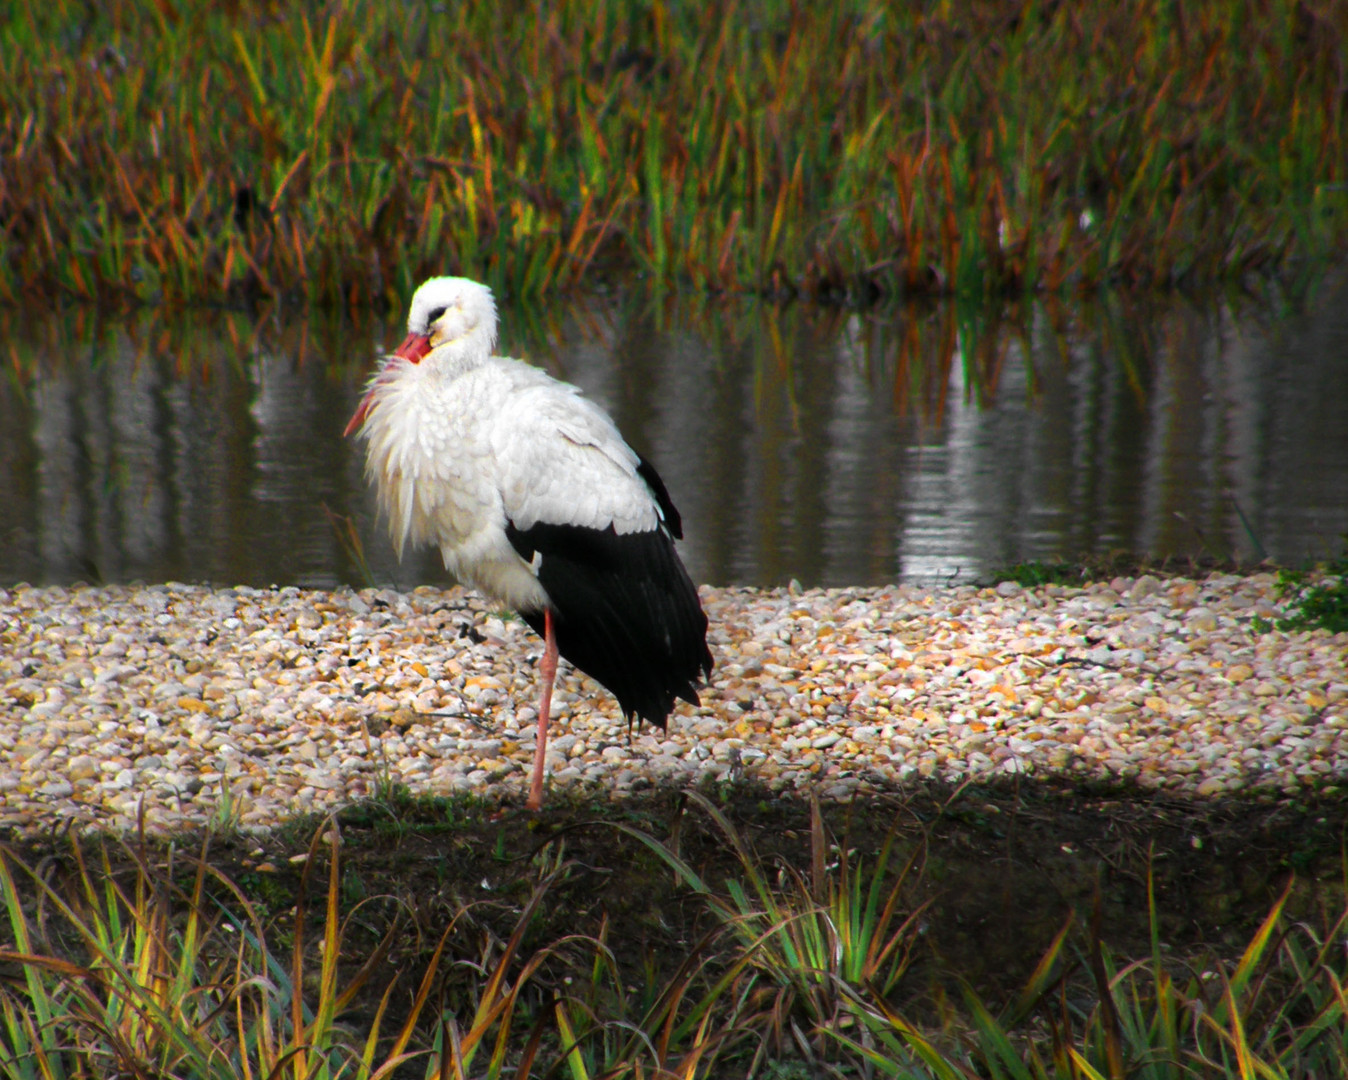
548, 668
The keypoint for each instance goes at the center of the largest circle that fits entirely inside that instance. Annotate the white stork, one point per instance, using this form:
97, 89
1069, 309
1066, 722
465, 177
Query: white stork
534, 498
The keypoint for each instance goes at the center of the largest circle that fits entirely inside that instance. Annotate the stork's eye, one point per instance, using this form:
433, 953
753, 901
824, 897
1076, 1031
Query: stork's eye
433, 315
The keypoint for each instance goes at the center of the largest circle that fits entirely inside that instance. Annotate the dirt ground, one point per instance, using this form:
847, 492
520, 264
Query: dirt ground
1002, 868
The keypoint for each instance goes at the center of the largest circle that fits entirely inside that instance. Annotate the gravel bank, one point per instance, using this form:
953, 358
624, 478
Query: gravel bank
194, 702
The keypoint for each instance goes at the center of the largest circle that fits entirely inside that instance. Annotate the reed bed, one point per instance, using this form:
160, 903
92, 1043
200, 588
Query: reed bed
146, 963
338, 152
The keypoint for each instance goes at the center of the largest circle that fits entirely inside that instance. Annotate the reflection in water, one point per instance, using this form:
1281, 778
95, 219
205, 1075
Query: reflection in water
919, 443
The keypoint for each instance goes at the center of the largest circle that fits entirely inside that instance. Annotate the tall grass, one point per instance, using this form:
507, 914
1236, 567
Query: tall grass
122, 969
123, 972
809, 947
341, 151
148, 981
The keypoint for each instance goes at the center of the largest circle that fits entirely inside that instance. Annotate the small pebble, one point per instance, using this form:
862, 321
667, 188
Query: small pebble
172, 698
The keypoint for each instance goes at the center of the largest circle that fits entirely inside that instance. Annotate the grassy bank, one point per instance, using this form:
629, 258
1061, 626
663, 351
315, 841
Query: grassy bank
713, 934
340, 152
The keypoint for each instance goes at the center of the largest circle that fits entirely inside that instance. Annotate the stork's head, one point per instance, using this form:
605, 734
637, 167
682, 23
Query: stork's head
453, 314
451, 319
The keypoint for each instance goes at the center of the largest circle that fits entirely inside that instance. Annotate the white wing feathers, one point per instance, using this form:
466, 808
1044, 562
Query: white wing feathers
561, 461
455, 458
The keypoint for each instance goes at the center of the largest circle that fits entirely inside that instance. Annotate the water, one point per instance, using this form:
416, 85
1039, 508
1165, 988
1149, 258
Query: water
921, 443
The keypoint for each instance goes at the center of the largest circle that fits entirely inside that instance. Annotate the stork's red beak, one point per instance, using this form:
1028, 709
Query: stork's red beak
413, 348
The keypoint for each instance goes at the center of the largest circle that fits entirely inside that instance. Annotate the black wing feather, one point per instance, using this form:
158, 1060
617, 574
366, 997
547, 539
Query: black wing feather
624, 610
647, 472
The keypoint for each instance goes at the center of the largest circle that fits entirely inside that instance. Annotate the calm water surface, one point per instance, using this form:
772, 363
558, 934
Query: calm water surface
919, 443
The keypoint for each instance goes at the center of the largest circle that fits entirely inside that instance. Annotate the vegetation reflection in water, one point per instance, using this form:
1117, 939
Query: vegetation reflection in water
933, 441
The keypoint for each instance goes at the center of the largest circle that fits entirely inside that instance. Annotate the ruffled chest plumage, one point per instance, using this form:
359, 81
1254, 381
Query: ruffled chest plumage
430, 458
